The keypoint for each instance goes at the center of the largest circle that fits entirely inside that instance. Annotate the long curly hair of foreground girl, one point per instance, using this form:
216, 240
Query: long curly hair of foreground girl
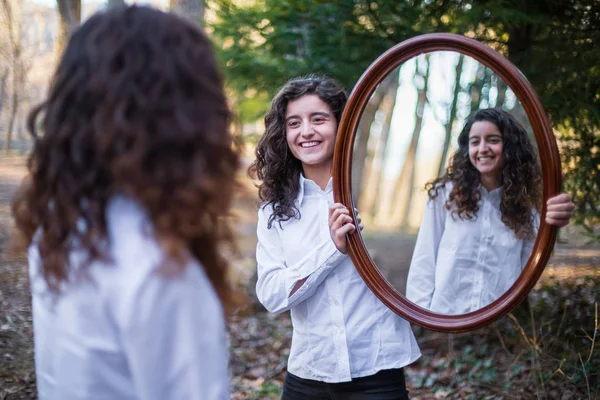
136, 108
521, 175
275, 165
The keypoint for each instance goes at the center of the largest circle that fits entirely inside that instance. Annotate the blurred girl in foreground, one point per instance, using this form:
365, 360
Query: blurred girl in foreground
130, 177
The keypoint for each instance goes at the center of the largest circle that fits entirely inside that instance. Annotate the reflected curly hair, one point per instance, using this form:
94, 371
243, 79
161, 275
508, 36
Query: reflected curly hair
521, 175
136, 108
275, 165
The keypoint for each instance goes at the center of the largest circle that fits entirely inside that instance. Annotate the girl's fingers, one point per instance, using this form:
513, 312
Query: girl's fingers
344, 230
558, 214
560, 199
336, 206
559, 219
561, 207
340, 222
560, 210
560, 223
335, 212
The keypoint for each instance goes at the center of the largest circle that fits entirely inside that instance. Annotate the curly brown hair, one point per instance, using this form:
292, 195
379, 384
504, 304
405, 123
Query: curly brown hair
136, 108
521, 175
275, 165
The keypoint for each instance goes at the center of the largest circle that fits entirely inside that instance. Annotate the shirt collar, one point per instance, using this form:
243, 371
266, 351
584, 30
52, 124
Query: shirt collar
308, 186
492, 195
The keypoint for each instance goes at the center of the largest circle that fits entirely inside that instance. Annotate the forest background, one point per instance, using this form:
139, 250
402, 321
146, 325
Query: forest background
544, 350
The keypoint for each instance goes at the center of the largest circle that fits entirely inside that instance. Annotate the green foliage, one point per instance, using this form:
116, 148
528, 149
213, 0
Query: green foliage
263, 43
252, 108
561, 333
267, 42
268, 390
554, 43
581, 155
545, 349
468, 364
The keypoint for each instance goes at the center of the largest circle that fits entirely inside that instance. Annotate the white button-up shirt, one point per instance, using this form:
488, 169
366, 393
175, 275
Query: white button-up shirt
121, 330
459, 266
340, 329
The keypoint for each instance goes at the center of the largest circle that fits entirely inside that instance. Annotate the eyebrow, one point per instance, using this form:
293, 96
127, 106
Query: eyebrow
322, 113
487, 136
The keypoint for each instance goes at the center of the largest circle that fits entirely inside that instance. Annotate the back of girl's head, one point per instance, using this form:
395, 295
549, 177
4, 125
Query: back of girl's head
275, 166
136, 108
521, 175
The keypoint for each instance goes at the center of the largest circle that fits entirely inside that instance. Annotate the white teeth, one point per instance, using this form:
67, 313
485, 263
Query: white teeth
484, 158
309, 144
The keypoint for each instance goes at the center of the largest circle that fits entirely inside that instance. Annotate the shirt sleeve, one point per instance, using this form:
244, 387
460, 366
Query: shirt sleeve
173, 334
420, 284
528, 244
276, 279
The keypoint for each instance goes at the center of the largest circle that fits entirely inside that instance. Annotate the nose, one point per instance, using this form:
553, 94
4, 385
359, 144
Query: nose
307, 130
483, 146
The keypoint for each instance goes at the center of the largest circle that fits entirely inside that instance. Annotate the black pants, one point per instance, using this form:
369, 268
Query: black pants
388, 384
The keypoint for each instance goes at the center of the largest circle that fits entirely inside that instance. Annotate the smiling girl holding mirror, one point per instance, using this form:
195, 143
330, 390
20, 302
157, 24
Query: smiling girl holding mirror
346, 344
481, 219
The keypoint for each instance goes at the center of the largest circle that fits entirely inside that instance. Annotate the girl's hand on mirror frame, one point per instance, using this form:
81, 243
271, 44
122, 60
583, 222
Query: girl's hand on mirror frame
340, 224
361, 226
560, 209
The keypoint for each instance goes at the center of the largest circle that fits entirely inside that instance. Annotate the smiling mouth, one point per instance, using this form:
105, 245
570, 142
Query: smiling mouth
307, 145
484, 159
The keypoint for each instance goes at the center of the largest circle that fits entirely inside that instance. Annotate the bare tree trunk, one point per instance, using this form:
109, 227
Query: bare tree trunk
69, 12
115, 3
359, 157
518, 112
12, 13
477, 87
486, 88
192, 10
502, 87
13, 113
387, 107
3, 81
452, 116
408, 170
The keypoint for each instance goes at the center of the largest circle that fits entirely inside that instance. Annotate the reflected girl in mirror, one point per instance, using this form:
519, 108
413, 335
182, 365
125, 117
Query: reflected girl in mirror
481, 220
130, 178
346, 344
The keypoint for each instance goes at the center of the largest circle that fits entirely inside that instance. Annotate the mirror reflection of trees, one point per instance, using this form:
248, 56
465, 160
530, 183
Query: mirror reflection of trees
409, 131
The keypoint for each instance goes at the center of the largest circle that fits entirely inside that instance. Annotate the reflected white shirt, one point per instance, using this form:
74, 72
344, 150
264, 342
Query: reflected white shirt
340, 329
459, 266
124, 331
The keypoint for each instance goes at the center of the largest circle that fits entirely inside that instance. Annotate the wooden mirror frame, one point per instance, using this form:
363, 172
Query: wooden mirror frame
550, 165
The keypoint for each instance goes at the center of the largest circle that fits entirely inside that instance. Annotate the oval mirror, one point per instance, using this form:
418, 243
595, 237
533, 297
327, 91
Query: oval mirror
452, 237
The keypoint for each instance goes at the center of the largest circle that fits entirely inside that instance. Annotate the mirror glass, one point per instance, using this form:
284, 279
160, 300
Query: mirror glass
448, 256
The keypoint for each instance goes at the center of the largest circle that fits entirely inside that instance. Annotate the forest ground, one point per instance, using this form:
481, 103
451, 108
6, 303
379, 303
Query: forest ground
543, 350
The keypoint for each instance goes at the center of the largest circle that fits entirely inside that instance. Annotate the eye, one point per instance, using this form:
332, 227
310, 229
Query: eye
293, 124
319, 120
